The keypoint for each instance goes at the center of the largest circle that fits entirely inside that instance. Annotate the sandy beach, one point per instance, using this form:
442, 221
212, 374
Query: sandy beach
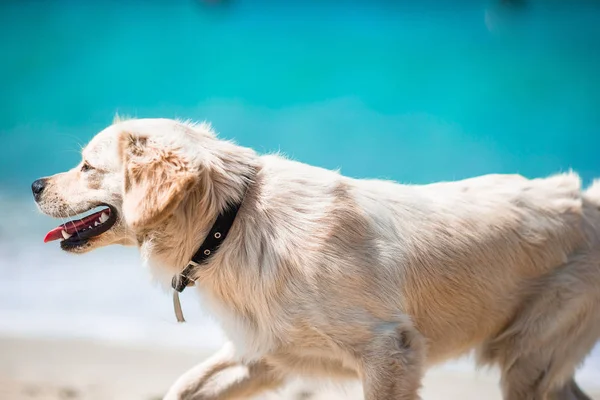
53, 369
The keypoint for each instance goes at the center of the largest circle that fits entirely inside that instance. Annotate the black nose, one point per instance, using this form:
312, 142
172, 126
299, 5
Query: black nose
37, 187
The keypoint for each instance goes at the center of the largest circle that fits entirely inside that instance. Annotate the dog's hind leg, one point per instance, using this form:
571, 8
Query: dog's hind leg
550, 336
221, 377
522, 384
570, 391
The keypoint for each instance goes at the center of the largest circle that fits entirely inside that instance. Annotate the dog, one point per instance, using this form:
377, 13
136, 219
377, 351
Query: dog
325, 275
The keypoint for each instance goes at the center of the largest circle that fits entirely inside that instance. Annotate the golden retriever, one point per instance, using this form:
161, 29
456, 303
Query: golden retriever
326, 275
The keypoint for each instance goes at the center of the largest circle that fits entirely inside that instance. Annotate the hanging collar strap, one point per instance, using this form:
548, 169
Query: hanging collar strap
216, 236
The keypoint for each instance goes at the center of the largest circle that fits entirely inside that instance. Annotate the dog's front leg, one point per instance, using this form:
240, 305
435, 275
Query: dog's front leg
222, 377
392, 364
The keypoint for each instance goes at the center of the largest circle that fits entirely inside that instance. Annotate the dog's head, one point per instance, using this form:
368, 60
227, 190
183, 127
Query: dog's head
133, 176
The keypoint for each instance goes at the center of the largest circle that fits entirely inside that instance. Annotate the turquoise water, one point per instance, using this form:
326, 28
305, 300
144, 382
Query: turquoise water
413, 92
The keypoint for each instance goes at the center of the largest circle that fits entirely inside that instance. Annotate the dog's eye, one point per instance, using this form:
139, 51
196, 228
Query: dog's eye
85, 167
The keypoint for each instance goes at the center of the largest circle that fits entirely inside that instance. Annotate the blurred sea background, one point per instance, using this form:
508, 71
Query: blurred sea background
415, 91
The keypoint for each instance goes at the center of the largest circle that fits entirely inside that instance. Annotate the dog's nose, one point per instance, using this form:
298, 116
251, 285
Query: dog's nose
37, 187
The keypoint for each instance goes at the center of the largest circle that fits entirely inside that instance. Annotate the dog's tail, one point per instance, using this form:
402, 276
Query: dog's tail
592, 193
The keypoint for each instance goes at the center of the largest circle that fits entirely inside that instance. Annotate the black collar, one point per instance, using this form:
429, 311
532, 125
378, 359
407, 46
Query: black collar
215, 238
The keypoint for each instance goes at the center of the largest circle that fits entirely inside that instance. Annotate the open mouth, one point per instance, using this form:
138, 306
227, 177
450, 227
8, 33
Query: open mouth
78, 231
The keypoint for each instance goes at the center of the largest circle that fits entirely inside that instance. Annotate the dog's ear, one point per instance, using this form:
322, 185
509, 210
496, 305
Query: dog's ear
155, 181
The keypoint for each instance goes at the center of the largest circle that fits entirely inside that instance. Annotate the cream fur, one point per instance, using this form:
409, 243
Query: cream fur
326, 275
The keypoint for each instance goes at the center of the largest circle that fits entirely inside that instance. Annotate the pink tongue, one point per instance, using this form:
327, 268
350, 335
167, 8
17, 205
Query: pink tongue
72, 227
54, 234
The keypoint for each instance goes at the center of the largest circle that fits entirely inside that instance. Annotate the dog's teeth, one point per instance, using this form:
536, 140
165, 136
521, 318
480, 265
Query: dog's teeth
103, 217
65, 234
96, 223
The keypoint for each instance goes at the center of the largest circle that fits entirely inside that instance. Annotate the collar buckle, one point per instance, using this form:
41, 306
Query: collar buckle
181, 281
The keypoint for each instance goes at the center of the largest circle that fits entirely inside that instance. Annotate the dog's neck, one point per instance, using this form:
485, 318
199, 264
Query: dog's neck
212, 242
223, 181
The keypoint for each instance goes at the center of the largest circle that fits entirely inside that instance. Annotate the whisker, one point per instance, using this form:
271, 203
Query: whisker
74, 213
73, 138
75, 141
64, 222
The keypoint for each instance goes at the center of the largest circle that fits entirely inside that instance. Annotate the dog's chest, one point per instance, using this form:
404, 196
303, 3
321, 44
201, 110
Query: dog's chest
294, 345
252, 337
